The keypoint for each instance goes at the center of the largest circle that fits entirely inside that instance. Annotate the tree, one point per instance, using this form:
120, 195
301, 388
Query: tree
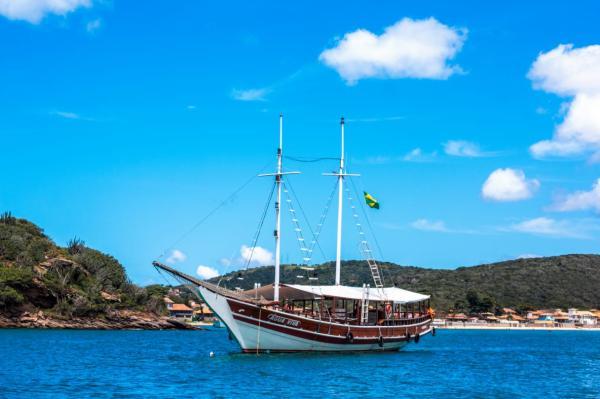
478, 303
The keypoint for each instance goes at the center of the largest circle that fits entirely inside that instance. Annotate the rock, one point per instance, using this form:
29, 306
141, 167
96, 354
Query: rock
110, 297
114, 320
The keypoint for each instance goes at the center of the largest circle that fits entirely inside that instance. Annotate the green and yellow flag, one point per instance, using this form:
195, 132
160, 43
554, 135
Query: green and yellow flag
372, 202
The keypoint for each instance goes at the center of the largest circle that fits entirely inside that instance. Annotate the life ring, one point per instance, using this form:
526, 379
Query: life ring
350, 337
380, 341
417, 338
388, 309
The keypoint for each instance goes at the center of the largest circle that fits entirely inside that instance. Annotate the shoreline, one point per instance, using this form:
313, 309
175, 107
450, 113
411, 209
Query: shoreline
513, 328
114, 320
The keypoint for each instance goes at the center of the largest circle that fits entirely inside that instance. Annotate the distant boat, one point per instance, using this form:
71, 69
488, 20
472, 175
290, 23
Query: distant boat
292, 317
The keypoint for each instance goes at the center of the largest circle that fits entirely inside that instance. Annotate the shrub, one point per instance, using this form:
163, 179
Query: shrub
15, 277
9, 296
7, 218
75, 246
104, 268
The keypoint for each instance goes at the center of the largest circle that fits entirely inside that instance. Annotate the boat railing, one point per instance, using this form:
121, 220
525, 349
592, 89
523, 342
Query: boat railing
406, 321
327, 317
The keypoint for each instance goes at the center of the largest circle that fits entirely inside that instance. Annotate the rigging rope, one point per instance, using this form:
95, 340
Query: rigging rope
297, 159
356, 194
315, 235
371, 230
260, 225
306, 253
364, 247
214, 210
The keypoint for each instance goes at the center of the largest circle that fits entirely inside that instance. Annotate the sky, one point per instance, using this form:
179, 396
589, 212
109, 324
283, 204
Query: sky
475, 125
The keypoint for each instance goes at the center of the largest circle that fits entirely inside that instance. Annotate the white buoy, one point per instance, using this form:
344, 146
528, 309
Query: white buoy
212, 354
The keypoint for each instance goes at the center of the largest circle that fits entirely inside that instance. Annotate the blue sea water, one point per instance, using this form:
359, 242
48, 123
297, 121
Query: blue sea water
453, 364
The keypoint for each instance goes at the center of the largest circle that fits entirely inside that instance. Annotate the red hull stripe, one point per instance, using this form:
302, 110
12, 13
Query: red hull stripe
329, 339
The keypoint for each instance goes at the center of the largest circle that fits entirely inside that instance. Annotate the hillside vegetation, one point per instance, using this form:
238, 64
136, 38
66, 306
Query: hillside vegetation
75, 281
78, 281
551, 282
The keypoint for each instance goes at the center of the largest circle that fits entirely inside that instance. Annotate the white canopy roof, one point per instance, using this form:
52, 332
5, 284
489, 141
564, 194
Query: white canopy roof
394, 294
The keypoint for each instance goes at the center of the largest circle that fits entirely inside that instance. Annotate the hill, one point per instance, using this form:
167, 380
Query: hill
550, 282
45, 285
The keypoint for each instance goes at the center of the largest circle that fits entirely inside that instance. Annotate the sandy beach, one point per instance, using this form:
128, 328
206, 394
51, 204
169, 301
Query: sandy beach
508, 327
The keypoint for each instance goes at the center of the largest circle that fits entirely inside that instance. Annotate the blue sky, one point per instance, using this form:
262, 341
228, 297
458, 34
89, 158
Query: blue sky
470, 123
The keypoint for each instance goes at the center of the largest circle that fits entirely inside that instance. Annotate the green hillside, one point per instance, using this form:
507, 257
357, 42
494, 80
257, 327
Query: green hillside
76, 281
552, 282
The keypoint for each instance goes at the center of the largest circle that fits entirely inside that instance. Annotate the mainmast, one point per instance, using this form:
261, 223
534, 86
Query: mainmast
340, 175
277, 233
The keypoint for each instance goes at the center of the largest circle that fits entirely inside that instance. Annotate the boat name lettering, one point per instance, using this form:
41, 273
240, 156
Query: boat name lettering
283, 320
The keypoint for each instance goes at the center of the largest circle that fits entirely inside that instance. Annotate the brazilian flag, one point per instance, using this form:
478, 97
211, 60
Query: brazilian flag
372, 202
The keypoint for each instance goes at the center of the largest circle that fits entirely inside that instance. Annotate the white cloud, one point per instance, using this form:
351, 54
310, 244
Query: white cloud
408, 49
93, 26
528, 256
66, 115
226, 262
574, 73
176, 256
206, 272
34, 11
417, 155
413, 155
260, 256
550, 227
438, 226
249, 95
376, 119
461, 148
580, 200
428, 225
508, 185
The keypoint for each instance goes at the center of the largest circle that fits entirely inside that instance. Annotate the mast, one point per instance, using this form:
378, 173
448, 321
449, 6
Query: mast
277, 233
340, 176
338, 249
278, 212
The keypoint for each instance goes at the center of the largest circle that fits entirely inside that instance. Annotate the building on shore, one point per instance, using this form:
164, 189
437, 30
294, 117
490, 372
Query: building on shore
181, 311
582, 317
507, 317
202, 312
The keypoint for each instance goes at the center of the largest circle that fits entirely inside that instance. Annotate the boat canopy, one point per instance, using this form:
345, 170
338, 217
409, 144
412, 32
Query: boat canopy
299, 292
392, 294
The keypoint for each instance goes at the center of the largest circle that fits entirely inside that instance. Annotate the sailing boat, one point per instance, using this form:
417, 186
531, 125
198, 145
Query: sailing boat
284, 317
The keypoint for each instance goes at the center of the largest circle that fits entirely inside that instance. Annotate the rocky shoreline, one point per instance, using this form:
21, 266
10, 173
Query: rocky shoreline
115, 320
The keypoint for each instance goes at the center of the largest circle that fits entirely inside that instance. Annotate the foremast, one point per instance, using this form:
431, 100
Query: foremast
279, 173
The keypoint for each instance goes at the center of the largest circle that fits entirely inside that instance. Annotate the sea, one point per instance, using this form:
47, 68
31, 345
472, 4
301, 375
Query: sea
171, 364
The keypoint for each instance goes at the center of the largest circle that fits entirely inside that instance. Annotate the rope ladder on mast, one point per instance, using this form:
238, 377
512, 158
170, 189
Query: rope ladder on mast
364, 246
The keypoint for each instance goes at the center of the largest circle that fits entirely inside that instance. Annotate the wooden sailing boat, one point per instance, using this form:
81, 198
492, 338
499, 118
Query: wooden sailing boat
291, 317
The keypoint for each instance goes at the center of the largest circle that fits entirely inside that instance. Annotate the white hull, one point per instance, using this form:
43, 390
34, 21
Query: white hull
253, 338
